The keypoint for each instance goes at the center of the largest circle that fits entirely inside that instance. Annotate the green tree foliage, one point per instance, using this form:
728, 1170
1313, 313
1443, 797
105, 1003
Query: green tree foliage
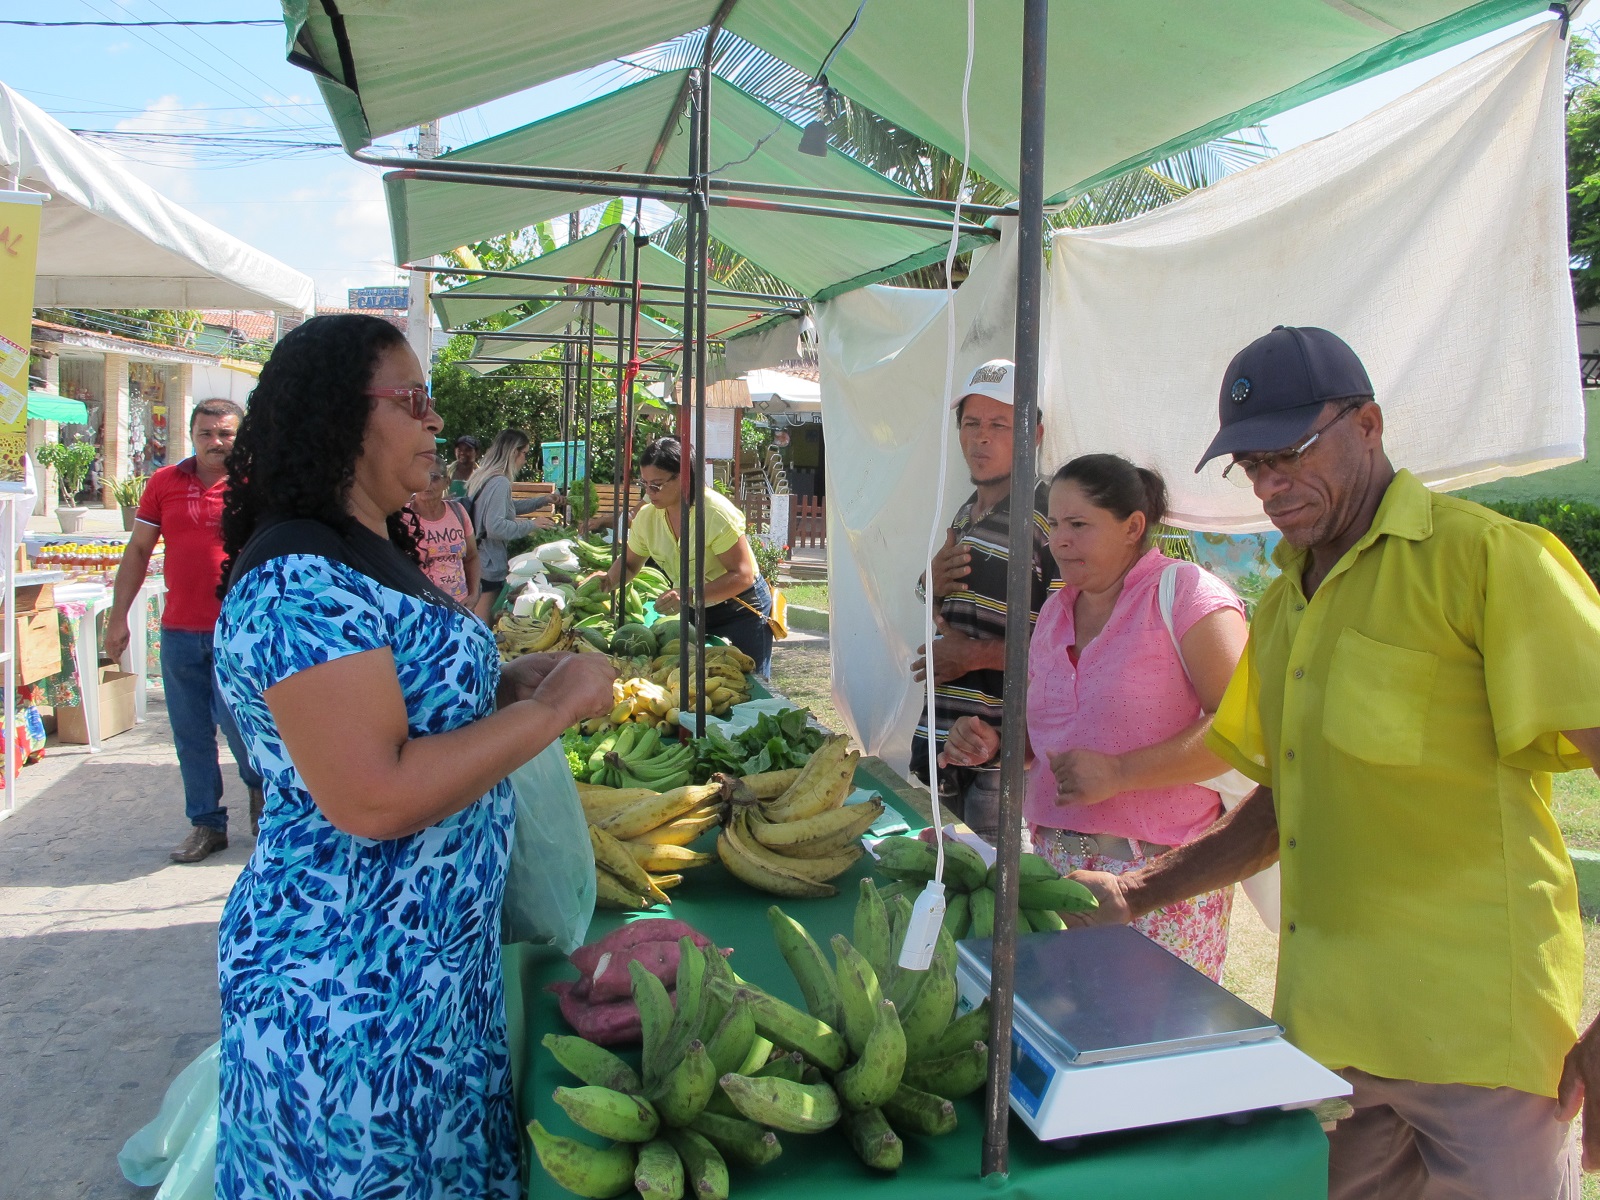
1583, 169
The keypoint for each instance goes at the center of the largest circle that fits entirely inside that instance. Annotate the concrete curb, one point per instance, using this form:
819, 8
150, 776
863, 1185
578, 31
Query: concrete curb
1586, 863
812, 620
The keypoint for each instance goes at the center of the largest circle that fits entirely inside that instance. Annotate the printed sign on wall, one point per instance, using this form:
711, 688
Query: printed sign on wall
19, 254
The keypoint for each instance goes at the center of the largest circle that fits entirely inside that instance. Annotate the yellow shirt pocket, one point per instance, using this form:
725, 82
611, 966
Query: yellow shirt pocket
1376, 706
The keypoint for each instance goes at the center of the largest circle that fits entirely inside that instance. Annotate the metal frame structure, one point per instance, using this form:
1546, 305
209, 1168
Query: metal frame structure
698, 194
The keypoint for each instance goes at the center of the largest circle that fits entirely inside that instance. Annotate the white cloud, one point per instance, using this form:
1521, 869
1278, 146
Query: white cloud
168, 168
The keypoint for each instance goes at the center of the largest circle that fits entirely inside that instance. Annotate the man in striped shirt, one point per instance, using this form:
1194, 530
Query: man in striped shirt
969, 587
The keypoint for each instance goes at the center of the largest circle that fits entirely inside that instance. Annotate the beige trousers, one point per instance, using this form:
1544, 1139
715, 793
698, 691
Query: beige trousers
1449, 1141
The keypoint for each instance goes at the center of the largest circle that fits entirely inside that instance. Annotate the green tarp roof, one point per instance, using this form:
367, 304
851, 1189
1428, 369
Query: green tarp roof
47, 406
1128, 82
604, 254
555, 319
620, 132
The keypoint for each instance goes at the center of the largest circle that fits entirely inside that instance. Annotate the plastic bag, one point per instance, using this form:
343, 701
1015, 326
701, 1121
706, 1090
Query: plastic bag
550, 887
178, 1150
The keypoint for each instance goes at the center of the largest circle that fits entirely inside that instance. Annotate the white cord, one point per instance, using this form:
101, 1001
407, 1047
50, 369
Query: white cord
934, 538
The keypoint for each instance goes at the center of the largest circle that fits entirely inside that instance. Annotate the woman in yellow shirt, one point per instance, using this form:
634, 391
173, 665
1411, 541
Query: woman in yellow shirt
737, 599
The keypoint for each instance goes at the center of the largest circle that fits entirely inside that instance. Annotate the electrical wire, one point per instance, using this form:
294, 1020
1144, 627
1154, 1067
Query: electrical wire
844, 37
944, 442
129, 24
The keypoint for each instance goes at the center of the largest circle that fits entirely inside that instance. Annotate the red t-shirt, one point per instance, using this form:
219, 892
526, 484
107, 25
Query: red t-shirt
189, 517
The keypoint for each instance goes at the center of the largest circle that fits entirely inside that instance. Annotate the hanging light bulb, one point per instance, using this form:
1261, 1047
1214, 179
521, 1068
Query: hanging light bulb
814, 141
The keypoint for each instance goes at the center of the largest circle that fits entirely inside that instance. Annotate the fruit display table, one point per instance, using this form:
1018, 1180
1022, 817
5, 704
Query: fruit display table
1279, 1155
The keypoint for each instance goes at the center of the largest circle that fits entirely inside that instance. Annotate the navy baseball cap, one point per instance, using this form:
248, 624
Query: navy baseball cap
1275, 387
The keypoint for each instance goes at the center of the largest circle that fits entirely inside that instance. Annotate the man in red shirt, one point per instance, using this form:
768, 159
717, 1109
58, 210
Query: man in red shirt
182, 504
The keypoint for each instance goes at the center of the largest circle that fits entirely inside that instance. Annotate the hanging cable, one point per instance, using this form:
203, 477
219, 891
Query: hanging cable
928, 913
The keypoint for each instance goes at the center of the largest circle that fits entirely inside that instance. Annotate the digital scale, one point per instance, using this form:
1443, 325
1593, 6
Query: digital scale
1110, 1031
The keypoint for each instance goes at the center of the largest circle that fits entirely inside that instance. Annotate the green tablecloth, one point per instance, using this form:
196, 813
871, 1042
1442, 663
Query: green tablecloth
1281, 1156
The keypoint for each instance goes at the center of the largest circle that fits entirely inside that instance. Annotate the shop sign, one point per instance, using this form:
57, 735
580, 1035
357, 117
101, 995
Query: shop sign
19, 236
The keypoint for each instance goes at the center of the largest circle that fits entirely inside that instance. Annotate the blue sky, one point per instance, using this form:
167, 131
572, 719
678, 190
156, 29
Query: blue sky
322, 213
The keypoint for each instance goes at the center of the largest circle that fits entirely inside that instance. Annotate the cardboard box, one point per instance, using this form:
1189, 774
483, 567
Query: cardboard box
34, 597
116, 707
38, 643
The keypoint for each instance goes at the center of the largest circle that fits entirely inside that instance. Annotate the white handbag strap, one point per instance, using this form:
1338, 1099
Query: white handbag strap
1166, 597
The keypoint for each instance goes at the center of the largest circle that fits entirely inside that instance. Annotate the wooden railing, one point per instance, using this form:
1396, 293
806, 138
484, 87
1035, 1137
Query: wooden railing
808, 522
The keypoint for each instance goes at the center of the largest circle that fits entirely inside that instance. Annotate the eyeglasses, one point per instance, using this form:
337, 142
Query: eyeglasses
417, 397
653, 488
1285, 462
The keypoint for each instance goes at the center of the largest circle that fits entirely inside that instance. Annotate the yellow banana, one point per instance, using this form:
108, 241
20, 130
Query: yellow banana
817, 870
768, 785
611, 892
736, 855
614, 857
819, 788
784, 836
666, 857
602, 802
681, 832
650, 813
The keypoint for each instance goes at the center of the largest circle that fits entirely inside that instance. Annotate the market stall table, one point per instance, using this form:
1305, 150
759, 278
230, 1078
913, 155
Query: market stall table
80, 606
1282, 1155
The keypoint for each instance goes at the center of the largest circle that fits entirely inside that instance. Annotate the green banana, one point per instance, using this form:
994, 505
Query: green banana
692, 997
872, 1078
1058, 895
597, 756
969, 1027
614, 1115
929, 1014
874, 1142
906, 858
982, 913
658, 1175
809, 967
920, 1112
584, 1170
706, 1173
782, 1104
760, 1051
786, 1026
964, 868
958, 914
1023, 924
731, 1041
591, 1063
859, 993
656, 1016
1043, 920
897, 888
688, 1086
790, 1066
871, 936
954, 1075
741, 1140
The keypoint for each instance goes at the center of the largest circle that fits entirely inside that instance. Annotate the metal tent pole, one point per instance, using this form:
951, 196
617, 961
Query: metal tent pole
588, 414
1019, 580
691, 216
701, 186
619, 598
594, 281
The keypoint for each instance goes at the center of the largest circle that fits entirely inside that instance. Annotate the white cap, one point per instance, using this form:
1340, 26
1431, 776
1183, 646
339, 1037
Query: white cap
996, 379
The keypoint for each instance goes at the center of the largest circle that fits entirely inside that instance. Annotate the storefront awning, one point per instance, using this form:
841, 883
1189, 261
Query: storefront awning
1128, 83
620, 132
110, 240
46, 406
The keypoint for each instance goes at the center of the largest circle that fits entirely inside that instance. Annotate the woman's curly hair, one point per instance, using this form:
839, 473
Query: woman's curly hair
296, 450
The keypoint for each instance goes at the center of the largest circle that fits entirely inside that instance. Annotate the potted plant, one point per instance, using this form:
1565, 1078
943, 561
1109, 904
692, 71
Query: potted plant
72, 461
127, 492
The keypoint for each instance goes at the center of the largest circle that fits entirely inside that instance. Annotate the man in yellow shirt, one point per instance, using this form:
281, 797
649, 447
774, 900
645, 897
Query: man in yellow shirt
1411, 680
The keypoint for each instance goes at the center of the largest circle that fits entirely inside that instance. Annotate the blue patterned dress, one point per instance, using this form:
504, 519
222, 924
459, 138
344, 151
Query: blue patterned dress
363, 1032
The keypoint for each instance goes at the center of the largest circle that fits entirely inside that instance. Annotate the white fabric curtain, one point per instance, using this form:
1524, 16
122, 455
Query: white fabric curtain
1431, 236
882, 357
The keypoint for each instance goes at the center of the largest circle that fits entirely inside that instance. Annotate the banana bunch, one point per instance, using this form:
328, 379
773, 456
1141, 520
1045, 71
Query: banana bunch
640, 838
793, 841
1042, 895
539, 630
637, 756
665, 1141
726, 681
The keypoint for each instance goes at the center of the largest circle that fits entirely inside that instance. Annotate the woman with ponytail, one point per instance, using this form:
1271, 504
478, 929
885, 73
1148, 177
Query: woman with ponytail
1121, 691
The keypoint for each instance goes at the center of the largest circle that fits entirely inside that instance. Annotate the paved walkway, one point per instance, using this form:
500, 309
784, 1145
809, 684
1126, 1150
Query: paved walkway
107, 957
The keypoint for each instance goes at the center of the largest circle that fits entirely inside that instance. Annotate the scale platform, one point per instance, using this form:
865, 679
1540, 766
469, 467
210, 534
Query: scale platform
1111, 1032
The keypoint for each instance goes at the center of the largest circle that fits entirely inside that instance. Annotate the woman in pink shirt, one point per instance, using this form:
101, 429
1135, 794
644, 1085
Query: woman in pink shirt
1116, 728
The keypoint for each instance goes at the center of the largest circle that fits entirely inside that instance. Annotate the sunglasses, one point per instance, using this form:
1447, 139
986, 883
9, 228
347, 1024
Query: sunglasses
653, 488
1284, 462
420, 401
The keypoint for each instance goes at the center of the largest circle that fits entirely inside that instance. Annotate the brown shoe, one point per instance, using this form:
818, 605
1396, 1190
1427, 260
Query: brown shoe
257, 802
202, 842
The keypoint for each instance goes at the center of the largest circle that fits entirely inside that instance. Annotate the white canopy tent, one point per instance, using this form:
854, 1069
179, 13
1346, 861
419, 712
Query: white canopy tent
776, 392
110, 240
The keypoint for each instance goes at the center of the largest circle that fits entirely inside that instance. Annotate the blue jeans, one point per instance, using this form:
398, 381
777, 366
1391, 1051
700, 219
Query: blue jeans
745, 629
196, 710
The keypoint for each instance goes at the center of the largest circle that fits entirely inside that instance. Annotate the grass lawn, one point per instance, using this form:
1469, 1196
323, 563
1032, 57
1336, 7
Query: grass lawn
812, 595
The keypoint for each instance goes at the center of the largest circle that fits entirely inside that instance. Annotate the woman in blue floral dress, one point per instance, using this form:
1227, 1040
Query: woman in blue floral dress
363, 1029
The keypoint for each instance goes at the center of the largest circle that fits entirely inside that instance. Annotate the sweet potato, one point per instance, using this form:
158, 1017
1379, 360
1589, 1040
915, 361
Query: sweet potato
611, 979
651, 929
613, 1024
